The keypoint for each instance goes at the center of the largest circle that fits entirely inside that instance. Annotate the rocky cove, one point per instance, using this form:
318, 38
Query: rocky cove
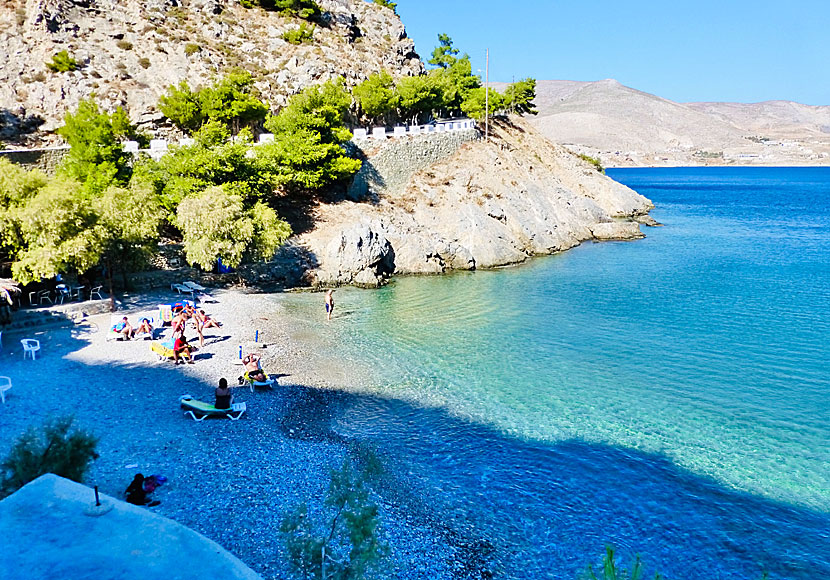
436, 203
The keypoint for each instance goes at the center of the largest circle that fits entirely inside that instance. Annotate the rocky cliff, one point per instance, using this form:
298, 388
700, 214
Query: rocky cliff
488, 204
130, 51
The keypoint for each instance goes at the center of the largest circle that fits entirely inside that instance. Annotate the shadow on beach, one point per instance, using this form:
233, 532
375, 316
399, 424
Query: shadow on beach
462, 499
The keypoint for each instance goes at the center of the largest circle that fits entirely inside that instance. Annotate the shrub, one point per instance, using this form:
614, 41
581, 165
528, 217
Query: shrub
144, 62
387, 4
302, 35
305, 9
124, 45
610, 571
346, 545
191, 48
55, 448
62, 62
593, 161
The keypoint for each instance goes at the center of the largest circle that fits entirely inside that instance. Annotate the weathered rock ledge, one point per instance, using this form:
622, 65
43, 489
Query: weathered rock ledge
488, 204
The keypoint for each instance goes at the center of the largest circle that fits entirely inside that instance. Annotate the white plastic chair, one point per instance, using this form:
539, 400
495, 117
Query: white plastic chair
96, 291
30, 346
44, 295
5, 385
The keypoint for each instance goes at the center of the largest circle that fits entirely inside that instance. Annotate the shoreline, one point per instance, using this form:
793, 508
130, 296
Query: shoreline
261, 467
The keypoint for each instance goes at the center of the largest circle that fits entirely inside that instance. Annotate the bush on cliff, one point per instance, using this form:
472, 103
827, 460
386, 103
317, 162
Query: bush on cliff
393, 6
305, 9
55, 448
62, 62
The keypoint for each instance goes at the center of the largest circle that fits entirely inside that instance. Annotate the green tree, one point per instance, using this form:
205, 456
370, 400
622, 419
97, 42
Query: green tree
418, 97
215, 224
96, 157
475, 102
307, 152
181, 105
233, 101
302, 35
519, 96
387, 4
347, 546
454, 83
376, 96
55, 448
63, 229
17, 187
444, 55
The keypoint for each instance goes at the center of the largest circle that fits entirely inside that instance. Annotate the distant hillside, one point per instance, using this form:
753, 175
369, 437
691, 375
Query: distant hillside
624, 126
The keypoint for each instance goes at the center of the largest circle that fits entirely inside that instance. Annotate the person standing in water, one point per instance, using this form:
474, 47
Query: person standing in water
329, 303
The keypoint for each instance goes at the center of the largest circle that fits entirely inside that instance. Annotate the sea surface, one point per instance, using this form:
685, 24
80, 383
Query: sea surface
669, 397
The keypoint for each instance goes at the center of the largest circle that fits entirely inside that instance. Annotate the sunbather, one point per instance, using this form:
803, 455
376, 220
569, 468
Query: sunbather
144, 327
224, 399
123, 328
253, 368
182, 349
207, 321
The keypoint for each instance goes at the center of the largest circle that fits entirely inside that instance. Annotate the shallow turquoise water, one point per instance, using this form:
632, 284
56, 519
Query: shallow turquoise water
669, 396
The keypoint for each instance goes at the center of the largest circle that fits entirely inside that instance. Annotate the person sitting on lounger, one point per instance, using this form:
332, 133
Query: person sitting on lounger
124, 328
144, 327
253, 368
223, 395
182, 349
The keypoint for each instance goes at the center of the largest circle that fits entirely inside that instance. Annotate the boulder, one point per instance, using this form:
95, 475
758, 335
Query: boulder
359, 255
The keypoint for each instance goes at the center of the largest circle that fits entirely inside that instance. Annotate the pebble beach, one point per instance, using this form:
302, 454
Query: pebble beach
232, 481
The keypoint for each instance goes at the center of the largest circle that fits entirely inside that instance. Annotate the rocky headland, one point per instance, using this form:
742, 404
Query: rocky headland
489, 203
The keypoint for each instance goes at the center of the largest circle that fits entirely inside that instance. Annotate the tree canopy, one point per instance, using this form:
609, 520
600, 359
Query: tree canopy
232, 100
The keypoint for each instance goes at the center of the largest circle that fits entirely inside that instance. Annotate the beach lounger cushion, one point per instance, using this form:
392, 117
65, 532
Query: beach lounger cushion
199, 410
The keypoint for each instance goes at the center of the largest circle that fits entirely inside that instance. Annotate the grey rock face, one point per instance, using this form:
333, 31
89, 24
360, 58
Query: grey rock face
470, 204
130, 51
358, 255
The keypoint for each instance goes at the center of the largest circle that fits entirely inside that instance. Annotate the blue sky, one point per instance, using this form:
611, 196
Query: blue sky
704, 50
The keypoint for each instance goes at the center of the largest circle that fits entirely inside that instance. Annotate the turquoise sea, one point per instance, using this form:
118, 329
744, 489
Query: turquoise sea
668, 396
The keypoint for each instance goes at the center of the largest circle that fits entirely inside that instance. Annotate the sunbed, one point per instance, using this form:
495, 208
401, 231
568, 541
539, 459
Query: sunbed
199, 410
269, 384
164, 350
182, 289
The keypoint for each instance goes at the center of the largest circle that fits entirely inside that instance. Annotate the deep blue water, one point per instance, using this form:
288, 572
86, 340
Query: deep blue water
668, 396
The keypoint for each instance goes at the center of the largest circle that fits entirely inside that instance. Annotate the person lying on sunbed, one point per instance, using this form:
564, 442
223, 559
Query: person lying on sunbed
253, 368
144, 327
123, 328
182, 349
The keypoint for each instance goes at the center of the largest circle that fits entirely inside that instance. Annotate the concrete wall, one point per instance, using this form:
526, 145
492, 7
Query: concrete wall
46, 160
389, 166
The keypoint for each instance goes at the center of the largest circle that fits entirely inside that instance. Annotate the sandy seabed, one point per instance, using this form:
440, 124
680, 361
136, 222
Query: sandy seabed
232, 481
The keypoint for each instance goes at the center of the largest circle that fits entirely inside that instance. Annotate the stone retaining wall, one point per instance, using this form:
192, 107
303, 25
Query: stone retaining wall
46, 160
389, 166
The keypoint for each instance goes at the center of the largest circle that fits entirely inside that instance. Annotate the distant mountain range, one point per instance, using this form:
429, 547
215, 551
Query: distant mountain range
624, 127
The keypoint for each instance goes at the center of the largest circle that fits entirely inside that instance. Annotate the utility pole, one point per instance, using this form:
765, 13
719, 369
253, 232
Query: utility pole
513, 94
487, 96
